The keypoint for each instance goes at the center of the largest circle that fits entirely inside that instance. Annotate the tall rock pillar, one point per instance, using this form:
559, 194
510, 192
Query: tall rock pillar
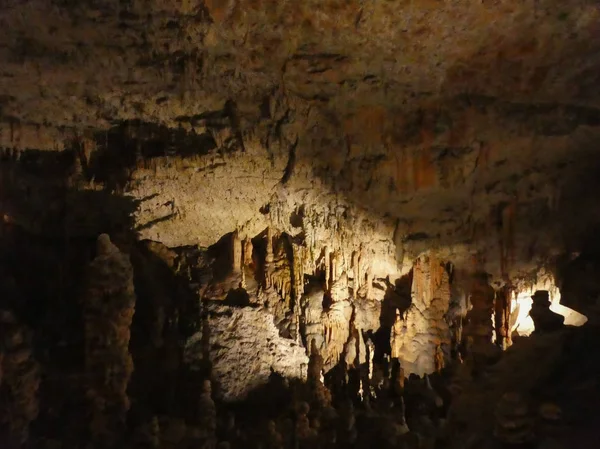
108, 307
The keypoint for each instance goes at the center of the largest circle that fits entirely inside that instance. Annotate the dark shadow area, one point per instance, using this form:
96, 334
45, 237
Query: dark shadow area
397, 299
238, 297
129, 144
221, 254
48, 238
48, 230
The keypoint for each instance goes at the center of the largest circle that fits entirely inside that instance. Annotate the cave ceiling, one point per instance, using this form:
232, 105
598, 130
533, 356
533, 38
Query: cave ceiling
412, 123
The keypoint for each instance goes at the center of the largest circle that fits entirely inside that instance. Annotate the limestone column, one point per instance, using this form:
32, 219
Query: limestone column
108, 307
502, 317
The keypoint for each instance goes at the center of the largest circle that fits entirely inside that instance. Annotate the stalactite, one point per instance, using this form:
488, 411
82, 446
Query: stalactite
327, 260
502, 316
298, 256
356, 274
247, 252
236, 252
506, 233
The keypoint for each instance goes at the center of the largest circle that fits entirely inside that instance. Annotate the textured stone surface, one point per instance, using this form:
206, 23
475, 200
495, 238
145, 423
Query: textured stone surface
421, 338
451, 123
245, 347
109, 305
331, 165
19, 380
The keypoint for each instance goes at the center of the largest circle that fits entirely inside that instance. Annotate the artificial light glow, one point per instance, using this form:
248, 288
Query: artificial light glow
523, 324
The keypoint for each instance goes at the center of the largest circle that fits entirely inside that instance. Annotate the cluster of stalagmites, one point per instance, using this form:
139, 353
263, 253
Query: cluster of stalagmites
331, 303
350, 353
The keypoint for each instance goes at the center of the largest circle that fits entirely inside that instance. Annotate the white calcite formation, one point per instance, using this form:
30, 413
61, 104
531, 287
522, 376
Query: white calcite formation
423, 334
245, 348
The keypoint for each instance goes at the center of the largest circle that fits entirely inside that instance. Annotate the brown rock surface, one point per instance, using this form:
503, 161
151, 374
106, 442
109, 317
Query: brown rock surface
311, 181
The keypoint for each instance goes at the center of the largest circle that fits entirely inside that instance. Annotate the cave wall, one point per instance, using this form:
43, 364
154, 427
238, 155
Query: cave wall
296, 205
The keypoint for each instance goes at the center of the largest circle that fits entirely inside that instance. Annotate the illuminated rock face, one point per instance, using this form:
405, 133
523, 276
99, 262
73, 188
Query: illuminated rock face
280, 299
521, 304
421, 338
245, 348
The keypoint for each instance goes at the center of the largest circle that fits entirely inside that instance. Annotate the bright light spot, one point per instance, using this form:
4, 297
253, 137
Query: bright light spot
523, 324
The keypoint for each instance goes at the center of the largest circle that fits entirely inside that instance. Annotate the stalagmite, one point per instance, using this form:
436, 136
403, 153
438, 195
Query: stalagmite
320, 394
356, 272
207, 420
303, 428
513, 423
313, 311
19, 379
336, 324
301, 186
347, 423
479, 327
418, 339
327, 266
108, 304
274, 438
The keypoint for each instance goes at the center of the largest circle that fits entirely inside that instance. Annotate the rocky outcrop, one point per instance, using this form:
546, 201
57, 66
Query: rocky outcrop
108, 304
245, 349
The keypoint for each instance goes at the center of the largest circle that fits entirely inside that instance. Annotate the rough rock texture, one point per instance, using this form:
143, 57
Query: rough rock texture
479, 327
245, 348
421, 339
310, 179
457, 123
109, 304
19, 380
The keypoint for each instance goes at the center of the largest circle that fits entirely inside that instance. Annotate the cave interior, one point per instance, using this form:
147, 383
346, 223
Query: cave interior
281, 224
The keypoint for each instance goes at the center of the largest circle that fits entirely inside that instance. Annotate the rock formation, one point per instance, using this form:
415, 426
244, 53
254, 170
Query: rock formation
479, 329
421, 340
108, 304
513, 421
302, 188
544, 319
248, 339
19, 380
